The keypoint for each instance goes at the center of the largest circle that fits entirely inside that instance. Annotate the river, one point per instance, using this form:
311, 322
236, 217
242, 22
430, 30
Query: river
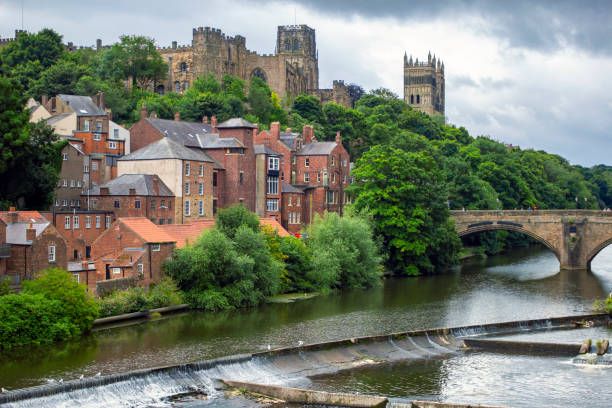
523, 284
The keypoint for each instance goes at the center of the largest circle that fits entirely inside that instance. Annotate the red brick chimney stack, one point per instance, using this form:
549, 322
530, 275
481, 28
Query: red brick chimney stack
275, 130
13, 215
30, 233
43, 100
143, 113
177, 116
213, 123
307, 134
205, 119
338, 138
100, 100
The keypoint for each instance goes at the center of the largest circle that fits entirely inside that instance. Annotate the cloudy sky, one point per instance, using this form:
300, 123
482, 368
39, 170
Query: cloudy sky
536, 74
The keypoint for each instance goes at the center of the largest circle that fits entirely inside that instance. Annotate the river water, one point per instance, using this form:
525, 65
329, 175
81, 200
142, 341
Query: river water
523, 284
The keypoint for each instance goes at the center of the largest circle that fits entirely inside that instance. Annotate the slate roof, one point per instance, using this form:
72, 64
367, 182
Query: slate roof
236, 123
56, 118
263, 149
167, 148
144, 228
144, 184
82, 105
193, 134
289, 139
288, 188
16, 233
316, 149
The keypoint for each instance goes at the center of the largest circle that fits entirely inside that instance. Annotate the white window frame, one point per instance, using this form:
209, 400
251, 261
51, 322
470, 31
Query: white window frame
88, 221
86, 126
137, 204
273, 163
51, 253
187, 188
112, 145
201, 170
306, 177
76, 277
201, 188
67, 222
64, 203
98, 221
107, 221
72, 183
98, 126
307, 162
65, 156
155, 247
272, 204
94, 165
201, 207
116, 133
64, 183
76, 222
79, 183
272, 185
116, 271
187, 208
97, 136
187, 169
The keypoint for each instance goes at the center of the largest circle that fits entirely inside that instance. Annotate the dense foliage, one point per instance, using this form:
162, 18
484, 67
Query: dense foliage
237, 265
50, 308
162, 294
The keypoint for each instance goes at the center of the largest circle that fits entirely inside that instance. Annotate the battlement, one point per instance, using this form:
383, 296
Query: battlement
5, 41
295, 27
338, 82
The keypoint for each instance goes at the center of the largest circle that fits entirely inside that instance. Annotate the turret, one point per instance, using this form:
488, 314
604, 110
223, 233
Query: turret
429, 58
405, 58
410, 62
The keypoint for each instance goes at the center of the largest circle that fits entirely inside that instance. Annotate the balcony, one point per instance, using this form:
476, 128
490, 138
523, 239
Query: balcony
5, 250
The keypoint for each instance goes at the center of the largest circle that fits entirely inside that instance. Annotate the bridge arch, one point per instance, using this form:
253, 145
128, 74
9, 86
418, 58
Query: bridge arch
595, 251
486, 226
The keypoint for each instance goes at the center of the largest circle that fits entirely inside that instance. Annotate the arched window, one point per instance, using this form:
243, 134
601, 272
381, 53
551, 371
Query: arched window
259, 73
183, 66
177, 86
160, 89
296, 44
412, 99
418, 99
185, 85
287, 45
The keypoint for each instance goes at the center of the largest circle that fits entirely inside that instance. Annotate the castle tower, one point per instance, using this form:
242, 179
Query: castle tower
297, 45
424, 84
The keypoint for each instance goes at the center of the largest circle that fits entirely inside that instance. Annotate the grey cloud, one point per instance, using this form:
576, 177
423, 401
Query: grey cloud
459, 81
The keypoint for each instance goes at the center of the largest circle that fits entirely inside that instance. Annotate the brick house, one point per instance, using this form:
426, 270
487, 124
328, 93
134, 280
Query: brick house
80, 228
230, 144
132, 247
29, 243
134, 195
187, 173
268, 182
73, 179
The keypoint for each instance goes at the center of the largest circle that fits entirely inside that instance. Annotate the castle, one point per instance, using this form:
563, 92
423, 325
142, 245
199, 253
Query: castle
292, 70
424, 84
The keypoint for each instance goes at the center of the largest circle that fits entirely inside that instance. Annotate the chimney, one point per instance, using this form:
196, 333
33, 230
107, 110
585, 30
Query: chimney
155, 180
132, 191
30, 233
288, 130
174, 44
205, 119
213, 123
100, 100
177, 116
143, 112
103, 190
275, 130
13, 215
98, 44
338, 138
153, 115
307, 133
43, 100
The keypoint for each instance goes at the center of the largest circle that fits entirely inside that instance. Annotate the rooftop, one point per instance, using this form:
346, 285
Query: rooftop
82, 105
193, 134
146, 230
167, 148
236, 123
263, 149
143, 185
316, 148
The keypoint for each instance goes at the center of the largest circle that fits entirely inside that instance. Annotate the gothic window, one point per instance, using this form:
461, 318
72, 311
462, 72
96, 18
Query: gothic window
183, 66
259, 73
295, 45
185, 85
411, 99
287, 45
418, 98
177, 86
160, 89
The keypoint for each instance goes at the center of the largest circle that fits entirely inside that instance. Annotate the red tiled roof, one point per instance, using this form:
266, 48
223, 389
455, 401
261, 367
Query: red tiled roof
23, 216
148, 231
185, 234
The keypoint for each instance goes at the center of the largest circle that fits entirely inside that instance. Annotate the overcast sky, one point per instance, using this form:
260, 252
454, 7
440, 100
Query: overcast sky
535, 74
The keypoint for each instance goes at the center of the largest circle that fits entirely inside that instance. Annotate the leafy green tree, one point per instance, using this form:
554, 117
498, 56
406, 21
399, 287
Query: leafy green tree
308, 107
231, 218
344, 252
406, 196
61, 77
299, 266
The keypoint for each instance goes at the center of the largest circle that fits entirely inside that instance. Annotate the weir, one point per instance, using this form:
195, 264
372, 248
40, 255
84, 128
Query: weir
286, 366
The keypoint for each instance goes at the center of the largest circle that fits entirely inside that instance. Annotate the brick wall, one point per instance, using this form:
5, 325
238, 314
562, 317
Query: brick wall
71, 180
78, 239
142, 134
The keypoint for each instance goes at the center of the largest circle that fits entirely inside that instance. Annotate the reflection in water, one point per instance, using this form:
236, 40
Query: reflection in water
522, 285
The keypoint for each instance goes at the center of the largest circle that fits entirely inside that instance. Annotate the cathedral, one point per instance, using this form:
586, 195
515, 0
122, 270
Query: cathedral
424, 84
292, 70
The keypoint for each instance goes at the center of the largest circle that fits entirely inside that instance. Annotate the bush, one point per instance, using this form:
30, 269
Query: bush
51, 308
231, 218
123, 301
5, 286
300, 274
345, 254
163, 294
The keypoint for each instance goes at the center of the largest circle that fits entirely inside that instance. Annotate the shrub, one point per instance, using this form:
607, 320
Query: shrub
123, 301
231, 218
300, 274
345, 254
165, 293
5, 286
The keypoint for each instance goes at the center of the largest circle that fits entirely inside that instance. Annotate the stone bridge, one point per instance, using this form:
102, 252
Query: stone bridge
574, 236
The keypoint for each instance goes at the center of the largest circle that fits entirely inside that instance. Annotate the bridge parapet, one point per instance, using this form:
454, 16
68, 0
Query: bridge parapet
526, 213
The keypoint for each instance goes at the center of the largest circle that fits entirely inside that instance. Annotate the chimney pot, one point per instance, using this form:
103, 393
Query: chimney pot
177, 116
338, 137
307, 134
143, 112
275, 130
213, 121
205, 119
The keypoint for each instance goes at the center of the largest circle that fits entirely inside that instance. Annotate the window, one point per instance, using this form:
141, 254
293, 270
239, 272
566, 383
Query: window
177, 86
116, 271
273, 163
97, 221
86, 126
318, 177
65, 156
117, 204
344, 179
289, 204
75, 276
65, 183
51, 253
64, 203
97, 136
67, 222
136, 203
187, 169
153, 204
272, 204
140, 268
57, 203
115, 133
79, 183
185, 85
334, 178
72, 203
306, 178
333, 160
155, 247
94, 165
112, 145
72, 183
241, 179
214, 179
200, 207
343, 162
87, 221
201, 188
307, 162
162, 204
294, 218
297, 201
75, 222
98, 126
272, 185
331, 197
186, 188
78, 202
418, 98
187, 208
293, 160
183, 67
161, 221
107, 221
201, 171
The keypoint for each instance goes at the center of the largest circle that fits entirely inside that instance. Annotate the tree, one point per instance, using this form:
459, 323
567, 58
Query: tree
61, 77
231, 218
136, 59
308, 107
405, 195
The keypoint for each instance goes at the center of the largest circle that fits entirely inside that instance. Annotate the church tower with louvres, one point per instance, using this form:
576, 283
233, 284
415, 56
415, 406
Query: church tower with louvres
424, 84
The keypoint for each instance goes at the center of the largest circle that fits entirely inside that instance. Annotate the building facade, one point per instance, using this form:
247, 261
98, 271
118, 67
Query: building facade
424, 84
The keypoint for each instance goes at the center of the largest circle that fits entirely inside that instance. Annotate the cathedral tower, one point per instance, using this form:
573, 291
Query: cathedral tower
424, 84
297, 45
